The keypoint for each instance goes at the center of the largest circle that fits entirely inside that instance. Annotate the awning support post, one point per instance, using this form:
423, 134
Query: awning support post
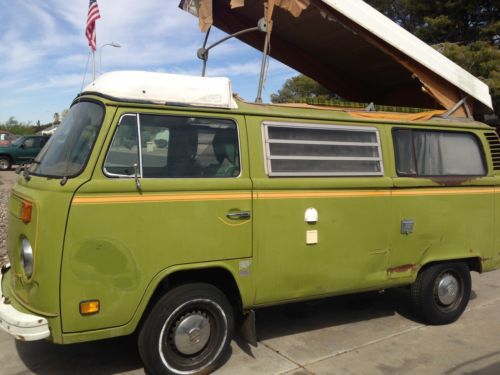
266, 25
370, 107
202, 53
461, 102
258, 99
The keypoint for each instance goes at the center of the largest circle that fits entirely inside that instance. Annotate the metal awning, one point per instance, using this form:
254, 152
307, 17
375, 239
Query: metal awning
353, 50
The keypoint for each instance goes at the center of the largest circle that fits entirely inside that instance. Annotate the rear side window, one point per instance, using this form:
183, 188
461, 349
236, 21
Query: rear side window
328, 150
173, 147
422, 153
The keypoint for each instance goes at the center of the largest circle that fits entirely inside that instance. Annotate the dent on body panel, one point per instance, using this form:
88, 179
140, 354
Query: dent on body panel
105, 261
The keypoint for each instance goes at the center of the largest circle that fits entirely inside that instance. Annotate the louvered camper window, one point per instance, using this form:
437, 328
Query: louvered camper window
494, 143
322, 150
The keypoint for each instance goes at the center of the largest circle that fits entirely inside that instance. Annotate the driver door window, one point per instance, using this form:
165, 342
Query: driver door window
173, 147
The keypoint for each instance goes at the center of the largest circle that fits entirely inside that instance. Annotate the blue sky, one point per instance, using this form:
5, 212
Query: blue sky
43, 51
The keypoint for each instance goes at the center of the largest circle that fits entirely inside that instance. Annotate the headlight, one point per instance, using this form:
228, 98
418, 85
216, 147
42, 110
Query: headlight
27, 257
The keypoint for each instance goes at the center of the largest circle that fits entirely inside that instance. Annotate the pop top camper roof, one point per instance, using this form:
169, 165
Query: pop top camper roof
353, 50
163, 88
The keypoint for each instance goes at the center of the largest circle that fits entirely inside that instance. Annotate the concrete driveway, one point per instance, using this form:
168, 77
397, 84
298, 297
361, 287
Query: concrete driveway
364, 334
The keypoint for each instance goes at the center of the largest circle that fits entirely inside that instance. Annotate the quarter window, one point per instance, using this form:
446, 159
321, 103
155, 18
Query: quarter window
421, 153
328, 150
174, 146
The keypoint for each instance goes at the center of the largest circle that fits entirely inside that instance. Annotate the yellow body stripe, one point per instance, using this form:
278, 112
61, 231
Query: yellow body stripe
321, 194
192, 197
441, 191
157, 198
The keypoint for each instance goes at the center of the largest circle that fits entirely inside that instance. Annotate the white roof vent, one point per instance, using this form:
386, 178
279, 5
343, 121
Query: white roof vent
162, 88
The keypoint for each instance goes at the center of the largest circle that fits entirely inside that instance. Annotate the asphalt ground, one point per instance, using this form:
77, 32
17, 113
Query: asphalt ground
365, 334
370, 333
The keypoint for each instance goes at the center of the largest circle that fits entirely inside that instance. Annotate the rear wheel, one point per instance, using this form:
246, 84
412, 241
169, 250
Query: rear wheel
5, 163
188, 331
441, 292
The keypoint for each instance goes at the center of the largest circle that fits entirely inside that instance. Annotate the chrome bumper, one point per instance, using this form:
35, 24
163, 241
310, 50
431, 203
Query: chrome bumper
25, 327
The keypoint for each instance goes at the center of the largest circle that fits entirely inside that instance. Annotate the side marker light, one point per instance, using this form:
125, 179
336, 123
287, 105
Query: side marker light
89, 307
26, 208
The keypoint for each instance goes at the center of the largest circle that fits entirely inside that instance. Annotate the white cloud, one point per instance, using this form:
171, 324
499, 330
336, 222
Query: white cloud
60, 82
44, 51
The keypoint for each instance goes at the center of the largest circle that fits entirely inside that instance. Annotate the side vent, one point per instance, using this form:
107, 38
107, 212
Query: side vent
494, 143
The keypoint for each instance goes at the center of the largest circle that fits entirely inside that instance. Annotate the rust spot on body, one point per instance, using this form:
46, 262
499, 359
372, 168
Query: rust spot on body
450, 180
402, 268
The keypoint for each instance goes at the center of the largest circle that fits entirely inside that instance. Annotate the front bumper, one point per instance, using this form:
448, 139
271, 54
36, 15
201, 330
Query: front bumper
22, 326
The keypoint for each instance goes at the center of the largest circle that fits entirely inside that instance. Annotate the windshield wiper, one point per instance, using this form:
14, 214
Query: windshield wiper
24, 170
26, 173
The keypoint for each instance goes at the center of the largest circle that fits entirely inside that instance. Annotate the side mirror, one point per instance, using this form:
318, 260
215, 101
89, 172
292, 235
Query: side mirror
22, 145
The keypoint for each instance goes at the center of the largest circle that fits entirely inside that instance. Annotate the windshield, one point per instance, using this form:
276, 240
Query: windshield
68, 150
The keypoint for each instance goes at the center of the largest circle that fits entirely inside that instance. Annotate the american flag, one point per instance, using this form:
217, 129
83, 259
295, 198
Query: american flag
93, 16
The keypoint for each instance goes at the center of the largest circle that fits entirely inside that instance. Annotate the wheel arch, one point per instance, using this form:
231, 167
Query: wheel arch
473, 263
216, 275
7, 156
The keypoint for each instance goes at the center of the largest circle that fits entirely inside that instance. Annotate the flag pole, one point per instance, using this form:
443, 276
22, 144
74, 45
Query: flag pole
93, 15
93, 65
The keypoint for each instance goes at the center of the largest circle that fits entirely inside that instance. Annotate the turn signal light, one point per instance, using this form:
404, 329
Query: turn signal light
89, 307
26, 208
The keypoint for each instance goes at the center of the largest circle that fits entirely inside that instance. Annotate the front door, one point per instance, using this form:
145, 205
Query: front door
171, 190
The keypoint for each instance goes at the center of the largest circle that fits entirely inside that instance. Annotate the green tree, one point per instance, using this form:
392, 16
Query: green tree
12, 121
15, 127
301, 88
439, 21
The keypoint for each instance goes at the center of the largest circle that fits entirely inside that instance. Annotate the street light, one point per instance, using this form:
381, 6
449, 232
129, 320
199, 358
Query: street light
112, 44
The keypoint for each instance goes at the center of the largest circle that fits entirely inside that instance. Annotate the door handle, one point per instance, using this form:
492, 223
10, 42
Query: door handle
239, 215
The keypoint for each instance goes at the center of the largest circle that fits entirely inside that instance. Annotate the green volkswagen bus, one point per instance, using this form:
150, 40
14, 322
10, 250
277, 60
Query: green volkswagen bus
166, 206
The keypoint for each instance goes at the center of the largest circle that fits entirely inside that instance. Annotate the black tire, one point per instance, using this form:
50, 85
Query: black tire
165, 345
443, 305
5, 163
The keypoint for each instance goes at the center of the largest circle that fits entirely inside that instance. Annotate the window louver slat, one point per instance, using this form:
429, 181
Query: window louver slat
494, 143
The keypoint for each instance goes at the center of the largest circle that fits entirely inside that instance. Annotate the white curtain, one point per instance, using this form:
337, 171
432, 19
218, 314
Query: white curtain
447, 153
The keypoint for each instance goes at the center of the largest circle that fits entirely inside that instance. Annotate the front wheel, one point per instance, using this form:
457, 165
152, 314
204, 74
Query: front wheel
5, 163
188, 331
441, 292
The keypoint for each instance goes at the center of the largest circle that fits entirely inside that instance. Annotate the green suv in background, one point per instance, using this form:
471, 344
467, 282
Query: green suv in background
21, 151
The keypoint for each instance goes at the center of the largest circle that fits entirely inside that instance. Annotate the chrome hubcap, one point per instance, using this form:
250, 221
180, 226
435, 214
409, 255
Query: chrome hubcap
448, 290
191, 333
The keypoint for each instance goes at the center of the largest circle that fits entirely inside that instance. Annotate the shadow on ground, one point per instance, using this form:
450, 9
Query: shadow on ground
119, 355
295, 318
110, 356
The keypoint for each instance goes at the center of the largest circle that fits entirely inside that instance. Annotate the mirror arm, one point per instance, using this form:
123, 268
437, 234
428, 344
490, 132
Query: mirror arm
137, 178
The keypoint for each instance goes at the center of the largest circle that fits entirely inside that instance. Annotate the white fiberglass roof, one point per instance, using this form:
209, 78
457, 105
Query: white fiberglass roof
383, 27
163, 88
